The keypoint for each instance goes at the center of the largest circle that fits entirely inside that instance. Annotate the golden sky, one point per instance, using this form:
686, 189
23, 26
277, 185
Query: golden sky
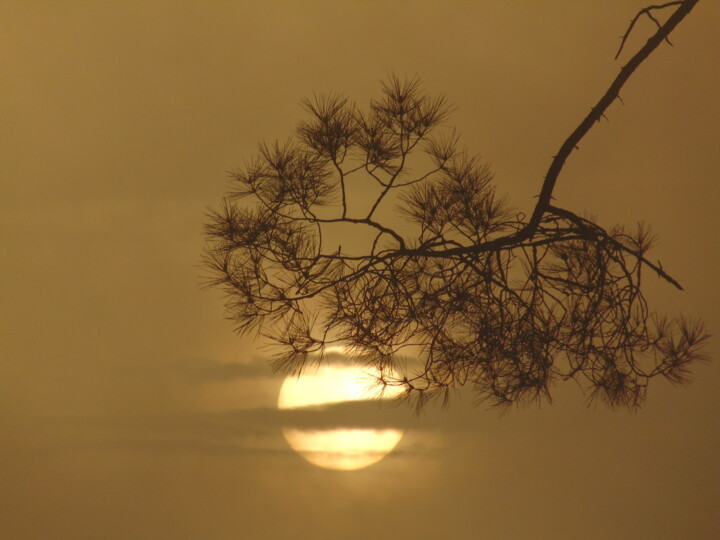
129, 409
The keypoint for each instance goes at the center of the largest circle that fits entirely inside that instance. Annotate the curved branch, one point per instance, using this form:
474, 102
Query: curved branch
598, 110
570, 144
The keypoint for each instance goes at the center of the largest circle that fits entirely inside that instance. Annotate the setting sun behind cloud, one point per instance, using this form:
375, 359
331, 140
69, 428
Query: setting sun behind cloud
340, 448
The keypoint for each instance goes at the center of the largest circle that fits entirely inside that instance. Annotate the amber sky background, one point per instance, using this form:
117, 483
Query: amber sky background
128, 408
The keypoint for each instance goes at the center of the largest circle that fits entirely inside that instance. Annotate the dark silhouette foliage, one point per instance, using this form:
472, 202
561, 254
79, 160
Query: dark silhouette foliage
483, 294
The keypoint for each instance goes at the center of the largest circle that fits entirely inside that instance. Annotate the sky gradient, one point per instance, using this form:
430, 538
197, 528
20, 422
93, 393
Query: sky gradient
129, 409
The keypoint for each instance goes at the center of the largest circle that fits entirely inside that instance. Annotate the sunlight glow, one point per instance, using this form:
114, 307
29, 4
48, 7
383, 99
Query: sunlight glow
341, 449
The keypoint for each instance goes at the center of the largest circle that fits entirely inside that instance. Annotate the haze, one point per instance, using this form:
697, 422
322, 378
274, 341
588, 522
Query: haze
129, 409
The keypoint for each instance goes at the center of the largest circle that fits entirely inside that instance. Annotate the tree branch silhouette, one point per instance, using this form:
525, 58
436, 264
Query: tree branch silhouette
481, 293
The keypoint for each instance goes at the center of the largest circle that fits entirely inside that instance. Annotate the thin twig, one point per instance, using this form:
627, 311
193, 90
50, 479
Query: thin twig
646, 11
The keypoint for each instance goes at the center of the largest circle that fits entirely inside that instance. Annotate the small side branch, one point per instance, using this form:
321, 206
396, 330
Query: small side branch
645, 11
657, 268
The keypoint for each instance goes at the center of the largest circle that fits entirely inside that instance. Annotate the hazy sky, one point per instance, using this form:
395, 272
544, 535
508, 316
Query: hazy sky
129, 409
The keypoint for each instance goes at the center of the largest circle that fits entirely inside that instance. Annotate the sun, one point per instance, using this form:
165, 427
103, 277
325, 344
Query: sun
342, 449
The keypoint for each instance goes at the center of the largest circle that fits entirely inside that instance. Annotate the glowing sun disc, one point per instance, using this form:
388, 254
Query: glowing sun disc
341, 449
